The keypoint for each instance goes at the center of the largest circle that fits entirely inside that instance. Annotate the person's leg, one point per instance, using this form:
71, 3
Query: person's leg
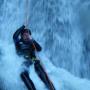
39, 70
43, 75
26, 79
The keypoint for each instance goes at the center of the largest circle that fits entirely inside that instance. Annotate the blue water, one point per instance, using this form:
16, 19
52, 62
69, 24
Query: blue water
62, 29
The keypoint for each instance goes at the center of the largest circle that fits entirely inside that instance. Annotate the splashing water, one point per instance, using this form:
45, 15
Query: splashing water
58, 26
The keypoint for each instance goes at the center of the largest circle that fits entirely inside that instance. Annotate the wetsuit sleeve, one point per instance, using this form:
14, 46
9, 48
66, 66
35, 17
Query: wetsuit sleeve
17, 33
38, 47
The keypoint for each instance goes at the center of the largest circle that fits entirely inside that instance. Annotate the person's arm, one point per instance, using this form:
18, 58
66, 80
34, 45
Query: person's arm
38, 47
17, 33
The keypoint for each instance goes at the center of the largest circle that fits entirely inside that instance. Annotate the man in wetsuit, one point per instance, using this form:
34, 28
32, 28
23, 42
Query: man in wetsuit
26, 47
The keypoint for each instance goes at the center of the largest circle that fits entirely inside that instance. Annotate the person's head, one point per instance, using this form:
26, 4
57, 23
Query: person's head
25, 34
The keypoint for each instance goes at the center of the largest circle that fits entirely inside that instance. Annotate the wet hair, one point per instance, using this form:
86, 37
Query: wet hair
25, 30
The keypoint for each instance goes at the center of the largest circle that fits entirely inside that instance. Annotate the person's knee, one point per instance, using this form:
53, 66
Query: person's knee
24, 73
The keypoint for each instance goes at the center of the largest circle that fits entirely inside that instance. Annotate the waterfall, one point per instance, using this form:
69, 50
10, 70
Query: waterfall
62, 29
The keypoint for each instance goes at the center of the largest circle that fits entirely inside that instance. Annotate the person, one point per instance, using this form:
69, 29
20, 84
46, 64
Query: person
26, 47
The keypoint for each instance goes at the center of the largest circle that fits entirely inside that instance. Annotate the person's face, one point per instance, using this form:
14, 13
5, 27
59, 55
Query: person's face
26, 36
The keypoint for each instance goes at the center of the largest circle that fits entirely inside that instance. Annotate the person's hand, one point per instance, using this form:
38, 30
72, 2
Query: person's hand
26, 25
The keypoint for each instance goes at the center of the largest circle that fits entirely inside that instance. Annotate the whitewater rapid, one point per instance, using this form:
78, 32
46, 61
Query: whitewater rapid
56, 26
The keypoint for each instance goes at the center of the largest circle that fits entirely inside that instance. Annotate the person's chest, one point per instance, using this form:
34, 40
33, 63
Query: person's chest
25, 45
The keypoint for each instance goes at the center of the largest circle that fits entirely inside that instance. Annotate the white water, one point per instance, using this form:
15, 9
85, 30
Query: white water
59, 26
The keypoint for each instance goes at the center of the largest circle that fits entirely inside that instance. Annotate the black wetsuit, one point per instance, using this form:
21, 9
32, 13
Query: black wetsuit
25, 48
